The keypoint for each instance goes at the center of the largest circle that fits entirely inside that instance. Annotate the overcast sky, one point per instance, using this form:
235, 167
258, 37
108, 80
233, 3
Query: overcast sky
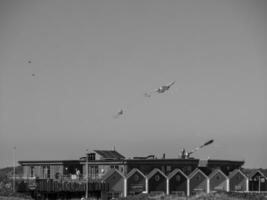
66, 67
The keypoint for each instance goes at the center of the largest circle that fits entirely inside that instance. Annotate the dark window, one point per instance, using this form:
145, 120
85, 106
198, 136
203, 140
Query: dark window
157, 177
91, 156
178, 177
32, 168
136, 178
114, 167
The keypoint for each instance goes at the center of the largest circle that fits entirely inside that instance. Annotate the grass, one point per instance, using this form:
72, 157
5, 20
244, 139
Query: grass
202, 196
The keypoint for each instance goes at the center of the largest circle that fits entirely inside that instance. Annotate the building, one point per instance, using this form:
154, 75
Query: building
109, 174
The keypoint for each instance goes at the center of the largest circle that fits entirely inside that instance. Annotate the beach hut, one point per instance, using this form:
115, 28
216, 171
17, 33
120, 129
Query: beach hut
116, 181
238, 181
178, 182
257, 180
136, 182
198, 182
157, 181
218, 181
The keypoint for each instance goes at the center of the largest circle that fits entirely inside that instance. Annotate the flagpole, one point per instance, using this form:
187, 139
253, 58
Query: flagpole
86, 170
14, 169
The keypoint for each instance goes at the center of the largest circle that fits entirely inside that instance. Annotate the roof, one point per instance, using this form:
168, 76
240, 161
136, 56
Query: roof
154, 171
110, 173
133, 171
174, 172
216, 171
110, 154
195, 172
264, 171
22, 162
252, 172
233, 173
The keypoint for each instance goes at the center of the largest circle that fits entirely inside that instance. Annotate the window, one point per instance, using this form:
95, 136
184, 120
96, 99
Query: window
93, 171
178, 177
157, 177
114, 167
136, 177
91, 156
168, 168
31, 173
46, 171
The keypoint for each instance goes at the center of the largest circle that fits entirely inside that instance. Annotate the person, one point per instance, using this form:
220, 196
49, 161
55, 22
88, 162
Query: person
78, 173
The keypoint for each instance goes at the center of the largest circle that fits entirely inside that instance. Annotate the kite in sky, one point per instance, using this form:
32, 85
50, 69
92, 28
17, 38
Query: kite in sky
185, 154
161, 89
118, 114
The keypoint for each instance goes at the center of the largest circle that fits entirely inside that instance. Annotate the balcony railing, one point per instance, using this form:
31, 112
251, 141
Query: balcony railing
66, 178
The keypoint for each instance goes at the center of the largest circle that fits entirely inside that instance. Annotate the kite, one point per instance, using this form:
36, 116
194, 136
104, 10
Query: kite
118, 114
185, 154
160, 90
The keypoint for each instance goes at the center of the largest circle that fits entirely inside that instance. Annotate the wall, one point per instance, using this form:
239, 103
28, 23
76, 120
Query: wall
157, 183
218, 182
237, 182
135, 184
116, 182
198, 183
178, 183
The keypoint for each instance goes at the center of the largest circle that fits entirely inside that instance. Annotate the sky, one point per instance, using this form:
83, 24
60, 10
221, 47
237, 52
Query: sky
66, 67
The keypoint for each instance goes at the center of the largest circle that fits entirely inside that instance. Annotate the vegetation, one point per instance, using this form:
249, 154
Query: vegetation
6, 184
203, 196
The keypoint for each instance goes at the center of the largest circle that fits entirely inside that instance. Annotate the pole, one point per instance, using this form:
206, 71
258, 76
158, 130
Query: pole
259, 183
14, 169
86, 170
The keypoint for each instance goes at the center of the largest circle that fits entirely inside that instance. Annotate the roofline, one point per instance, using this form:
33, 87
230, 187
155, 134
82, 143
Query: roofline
231, 175
133, 171
223, 160
112, 172
175, 171
215, 172
120, 155
195, 172
253, 174
45, 161
154, 171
